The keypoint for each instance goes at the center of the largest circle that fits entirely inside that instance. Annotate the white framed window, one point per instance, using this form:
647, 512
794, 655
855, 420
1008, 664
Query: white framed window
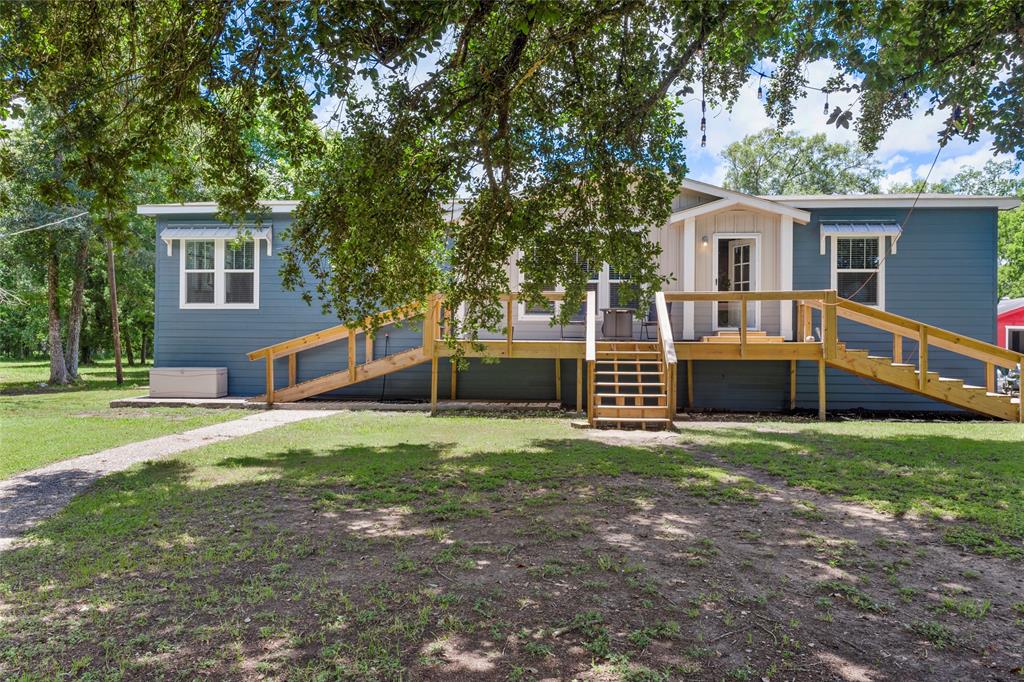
534, 312
616, 296
858, 269
219, 273
1015, 338
604, 281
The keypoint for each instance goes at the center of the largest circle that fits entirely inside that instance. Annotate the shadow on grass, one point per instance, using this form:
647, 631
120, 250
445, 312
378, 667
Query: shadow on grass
409, 560
965, 478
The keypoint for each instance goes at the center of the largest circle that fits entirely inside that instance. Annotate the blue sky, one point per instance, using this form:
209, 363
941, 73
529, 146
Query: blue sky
906, 152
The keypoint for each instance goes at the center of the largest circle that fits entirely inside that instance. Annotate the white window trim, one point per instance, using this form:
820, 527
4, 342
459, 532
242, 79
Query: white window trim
521, 313
1007, 330
603, 294
218, 278
881, 263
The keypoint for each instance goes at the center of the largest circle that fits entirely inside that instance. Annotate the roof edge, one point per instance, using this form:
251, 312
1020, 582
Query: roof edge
896, 201
277, 207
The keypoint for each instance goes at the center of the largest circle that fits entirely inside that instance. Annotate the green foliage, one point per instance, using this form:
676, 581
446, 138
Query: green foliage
773, 162
557, 121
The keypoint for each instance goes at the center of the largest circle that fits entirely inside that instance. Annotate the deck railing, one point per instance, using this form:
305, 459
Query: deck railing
292, 347
590, 353
925, 335
667, 347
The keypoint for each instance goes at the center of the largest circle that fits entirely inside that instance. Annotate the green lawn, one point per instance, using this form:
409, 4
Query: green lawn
969, 471
369, 546
41, 424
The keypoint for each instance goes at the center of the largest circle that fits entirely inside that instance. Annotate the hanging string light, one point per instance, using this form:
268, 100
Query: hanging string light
760, 91
703, 106
825, 110
703, 122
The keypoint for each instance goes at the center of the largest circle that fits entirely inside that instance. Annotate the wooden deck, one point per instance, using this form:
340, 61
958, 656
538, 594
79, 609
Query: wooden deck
611, 398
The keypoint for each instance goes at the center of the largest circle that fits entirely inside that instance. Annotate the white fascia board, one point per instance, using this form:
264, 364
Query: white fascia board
208, 208
761, 203
1001, 203
741, 201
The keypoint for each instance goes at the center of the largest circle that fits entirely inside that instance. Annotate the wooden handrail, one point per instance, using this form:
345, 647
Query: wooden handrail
329, 335
747, 296
668, 346
591, 352
937, 337
550, 295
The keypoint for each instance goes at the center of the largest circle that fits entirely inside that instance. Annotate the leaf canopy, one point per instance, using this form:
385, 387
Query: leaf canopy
546, 128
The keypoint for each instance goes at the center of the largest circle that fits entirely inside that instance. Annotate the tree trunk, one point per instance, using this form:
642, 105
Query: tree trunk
71, 348
127, 341
142, 349
58, 370
115, 327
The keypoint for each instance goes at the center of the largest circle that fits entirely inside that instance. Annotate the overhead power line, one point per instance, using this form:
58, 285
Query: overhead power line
44, 226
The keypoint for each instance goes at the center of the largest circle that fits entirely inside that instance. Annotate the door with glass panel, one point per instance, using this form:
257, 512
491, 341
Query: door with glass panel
735, 260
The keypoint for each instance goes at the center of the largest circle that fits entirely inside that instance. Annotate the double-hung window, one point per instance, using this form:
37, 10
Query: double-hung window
219, 273
617, 296
200, 272
858, 269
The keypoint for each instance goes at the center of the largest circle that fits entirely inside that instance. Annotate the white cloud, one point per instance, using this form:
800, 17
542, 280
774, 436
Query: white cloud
903, 176
893, 161
948, 167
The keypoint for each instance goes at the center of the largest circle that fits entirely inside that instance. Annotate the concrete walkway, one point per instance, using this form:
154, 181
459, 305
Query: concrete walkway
30, 497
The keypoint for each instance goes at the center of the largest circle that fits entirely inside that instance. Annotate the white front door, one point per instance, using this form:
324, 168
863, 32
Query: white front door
735, 263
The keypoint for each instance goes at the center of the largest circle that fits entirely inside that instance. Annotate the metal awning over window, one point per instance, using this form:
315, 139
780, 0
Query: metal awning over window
169, 234
880, 229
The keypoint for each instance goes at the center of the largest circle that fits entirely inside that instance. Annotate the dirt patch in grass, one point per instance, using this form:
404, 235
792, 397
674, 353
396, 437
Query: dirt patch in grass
626, 577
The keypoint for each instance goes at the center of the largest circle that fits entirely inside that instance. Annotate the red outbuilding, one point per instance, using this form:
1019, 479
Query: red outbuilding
1010, 324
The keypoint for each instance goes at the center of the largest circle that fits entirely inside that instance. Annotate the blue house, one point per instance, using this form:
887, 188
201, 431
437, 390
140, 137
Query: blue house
874, 302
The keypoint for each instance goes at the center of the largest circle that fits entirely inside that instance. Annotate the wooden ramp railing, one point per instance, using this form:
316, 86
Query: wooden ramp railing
354, 371
917, 379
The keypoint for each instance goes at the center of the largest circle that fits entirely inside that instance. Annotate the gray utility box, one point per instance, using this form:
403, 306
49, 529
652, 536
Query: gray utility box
617, 324
188, 382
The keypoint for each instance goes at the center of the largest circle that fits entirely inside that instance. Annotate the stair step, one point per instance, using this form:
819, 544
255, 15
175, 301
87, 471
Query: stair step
632, 372
736, 339
628, 352
652, 384
628, 408
631, 395
641, 420
622, 345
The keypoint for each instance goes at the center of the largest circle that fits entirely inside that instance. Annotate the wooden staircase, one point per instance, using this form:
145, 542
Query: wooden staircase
630, 386
944, 389
917, 378
733, 336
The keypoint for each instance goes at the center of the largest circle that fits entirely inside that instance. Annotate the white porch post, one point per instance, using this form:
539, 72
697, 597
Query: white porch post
786, 275
689, 273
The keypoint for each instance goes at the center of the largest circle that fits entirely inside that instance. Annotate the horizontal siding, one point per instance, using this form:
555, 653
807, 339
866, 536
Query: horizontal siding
943, 274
